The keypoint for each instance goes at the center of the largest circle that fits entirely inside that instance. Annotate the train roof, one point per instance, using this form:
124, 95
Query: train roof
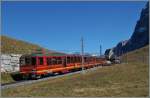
54, 55
48, 54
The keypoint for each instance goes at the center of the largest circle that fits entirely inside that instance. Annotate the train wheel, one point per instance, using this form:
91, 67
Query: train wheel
25, 77
36, 77
60, 73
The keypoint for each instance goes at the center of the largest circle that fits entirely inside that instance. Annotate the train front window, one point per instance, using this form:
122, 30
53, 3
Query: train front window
27, 61
22, 61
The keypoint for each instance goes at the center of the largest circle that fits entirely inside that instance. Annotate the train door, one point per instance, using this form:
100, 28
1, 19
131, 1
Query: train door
40, 61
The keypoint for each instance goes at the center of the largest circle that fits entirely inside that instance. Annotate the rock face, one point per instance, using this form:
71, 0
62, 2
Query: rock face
120, 48
10, 62
139, 38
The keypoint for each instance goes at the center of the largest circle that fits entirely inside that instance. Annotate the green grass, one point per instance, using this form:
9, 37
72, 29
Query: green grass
117, 80
6, 78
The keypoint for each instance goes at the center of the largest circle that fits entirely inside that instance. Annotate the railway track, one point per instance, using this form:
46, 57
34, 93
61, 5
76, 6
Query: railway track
25, 82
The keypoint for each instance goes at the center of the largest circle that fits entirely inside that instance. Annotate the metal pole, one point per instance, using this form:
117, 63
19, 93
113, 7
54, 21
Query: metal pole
100, 50
82, 53
127, 58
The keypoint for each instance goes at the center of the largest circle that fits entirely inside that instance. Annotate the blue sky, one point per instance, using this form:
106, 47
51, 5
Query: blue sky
60, 25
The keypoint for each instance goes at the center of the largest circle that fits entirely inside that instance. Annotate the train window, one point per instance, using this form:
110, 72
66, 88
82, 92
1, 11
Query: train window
49, 61
80, 59
64, 61
75, 59
33, 61
54, 61
85, 59
90, 59
59, 60
27, 61
68, 60
72, 59
40, 60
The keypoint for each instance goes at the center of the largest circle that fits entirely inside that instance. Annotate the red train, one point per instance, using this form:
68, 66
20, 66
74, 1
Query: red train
37, 65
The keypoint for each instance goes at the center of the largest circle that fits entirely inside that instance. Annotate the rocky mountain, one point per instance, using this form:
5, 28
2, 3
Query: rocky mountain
139, 38
120, 47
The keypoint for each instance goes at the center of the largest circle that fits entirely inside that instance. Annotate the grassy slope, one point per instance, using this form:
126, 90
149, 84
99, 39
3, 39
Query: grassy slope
118, 80
10, 45
139, 56
6, 78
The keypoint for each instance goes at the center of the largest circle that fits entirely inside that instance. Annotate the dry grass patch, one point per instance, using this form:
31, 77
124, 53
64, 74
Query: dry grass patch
6, 78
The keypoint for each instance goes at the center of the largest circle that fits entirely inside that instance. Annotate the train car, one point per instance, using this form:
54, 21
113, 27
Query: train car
38, 65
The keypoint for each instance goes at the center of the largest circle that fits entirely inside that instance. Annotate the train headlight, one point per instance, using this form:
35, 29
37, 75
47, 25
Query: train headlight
48, 71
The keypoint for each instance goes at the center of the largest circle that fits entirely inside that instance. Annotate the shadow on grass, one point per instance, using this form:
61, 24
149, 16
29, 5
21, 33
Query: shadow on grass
16, 76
